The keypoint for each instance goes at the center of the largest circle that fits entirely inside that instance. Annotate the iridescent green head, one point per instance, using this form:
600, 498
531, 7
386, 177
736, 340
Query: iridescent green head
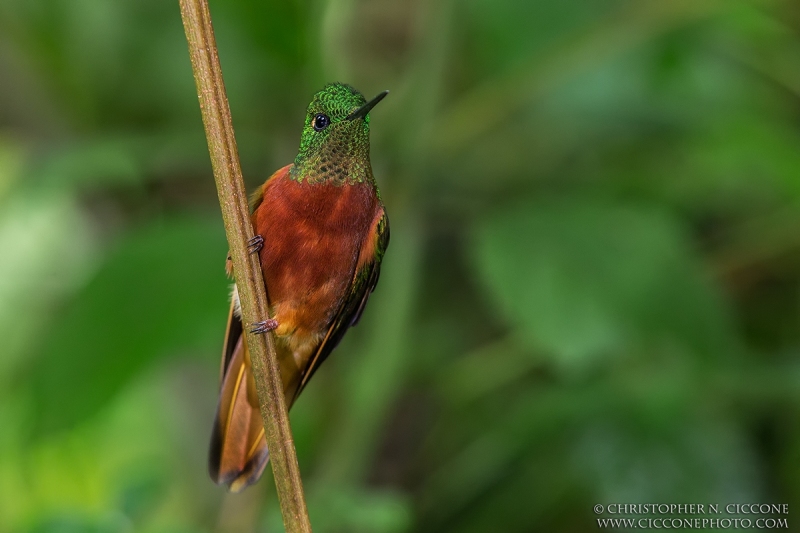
334, 146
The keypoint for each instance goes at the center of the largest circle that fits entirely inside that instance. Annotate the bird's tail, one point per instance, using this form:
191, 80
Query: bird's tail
238, 452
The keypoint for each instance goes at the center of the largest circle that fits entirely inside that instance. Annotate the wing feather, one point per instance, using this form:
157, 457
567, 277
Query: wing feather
363, 283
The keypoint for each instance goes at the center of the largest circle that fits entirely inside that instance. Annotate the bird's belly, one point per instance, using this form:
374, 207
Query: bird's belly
307, 276
313, 235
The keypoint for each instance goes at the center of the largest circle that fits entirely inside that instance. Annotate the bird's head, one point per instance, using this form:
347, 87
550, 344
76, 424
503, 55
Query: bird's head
334, 145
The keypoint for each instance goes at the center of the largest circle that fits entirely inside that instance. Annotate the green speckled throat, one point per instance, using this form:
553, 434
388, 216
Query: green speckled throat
339, 152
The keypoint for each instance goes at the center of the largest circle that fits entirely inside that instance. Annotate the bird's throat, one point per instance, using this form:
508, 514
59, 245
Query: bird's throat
339, 171
342, 159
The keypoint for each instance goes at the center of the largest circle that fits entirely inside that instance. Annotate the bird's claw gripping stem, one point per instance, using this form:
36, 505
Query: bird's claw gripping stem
255, 244
264, 326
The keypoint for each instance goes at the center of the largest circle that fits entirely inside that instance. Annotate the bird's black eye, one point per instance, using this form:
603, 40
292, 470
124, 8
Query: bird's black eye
321, 122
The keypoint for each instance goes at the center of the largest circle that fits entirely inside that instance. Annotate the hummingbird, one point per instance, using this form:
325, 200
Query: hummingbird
320, 231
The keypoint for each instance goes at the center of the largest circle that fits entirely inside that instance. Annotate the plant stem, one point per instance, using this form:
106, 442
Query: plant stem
246, 267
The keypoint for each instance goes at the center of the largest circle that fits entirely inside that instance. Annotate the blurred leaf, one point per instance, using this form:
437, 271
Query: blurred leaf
342, 509
278, 29
488, 369
587, 278
505, 31
12, 157
142, 494
495, 100
35, 228
112, 332
695, 459
97, 164
75, 523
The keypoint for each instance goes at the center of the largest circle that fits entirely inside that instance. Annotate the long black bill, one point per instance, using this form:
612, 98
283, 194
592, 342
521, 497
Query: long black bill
362, 111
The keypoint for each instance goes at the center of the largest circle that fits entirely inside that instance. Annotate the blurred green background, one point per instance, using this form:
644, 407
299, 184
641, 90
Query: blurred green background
592, 292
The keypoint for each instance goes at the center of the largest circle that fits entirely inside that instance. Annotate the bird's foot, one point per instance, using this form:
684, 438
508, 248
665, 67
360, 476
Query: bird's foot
264, 326
255, 244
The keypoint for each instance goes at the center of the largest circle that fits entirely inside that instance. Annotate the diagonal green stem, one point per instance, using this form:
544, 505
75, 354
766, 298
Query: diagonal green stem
247, 269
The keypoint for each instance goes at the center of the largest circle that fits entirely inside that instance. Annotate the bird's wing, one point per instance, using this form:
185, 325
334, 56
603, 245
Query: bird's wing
255, 200
258, 195
361, 286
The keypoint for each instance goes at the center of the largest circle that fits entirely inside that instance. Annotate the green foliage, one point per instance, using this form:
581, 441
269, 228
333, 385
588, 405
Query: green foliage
116, 332
587, 279
591, 294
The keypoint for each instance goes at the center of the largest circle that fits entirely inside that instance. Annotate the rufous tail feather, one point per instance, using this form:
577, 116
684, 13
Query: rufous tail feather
238, 452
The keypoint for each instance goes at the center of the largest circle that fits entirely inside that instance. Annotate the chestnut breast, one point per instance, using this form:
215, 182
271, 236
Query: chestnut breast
313, 235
